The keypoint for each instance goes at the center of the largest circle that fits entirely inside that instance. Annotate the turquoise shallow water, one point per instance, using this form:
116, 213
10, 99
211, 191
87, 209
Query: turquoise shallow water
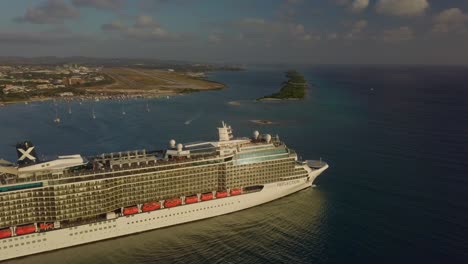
396, 139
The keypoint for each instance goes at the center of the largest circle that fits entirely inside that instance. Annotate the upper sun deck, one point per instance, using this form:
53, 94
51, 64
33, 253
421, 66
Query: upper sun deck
74, 168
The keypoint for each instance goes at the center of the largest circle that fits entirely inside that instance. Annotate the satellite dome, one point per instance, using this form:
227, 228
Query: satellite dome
172, 143
256, 134
179, 147
268, 138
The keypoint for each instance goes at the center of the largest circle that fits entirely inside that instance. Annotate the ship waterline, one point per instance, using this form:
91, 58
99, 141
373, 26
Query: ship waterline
76, 201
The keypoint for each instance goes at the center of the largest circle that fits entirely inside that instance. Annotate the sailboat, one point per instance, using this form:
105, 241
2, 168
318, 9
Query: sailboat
57, 118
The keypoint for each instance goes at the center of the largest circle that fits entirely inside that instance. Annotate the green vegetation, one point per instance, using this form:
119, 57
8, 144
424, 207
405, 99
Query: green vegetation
18, 97
294, 88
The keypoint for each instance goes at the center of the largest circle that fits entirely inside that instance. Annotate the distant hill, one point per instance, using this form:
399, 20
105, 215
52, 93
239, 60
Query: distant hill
120, 62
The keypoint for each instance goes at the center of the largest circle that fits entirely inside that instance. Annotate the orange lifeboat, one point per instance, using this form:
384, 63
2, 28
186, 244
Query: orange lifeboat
46, 226
191, 199
206, 196
221, 194
172, 202
151, 206
26, 229
5, 233
236, 191
130, 210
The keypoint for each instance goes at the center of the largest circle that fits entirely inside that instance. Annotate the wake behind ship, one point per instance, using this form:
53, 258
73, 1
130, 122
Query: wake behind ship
72, 200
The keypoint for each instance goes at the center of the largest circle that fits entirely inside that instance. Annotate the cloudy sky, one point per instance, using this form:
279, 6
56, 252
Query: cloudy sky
241, 31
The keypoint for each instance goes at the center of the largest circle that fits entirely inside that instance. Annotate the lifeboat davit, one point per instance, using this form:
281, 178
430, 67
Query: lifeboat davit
46, 226
206, 196
151, 206
26, 229
221, 194
191, 199
172, 202
5, 233
130, 210
236, 191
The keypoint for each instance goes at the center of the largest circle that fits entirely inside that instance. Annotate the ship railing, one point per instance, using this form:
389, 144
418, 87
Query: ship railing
117, 172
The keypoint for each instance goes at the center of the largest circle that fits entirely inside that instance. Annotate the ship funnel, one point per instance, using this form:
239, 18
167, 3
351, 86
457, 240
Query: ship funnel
172, 143
26, 153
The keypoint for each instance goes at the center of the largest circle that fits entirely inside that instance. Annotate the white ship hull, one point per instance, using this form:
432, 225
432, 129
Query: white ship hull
19, 246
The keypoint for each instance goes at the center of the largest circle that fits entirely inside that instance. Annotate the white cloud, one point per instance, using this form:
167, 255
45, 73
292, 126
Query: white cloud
359, 5
144, 21
259, 28
49, 12
402, 7
144, 28
332, 36
253, 21
356, 29
99, 4
451, 20
215, 38
398, 35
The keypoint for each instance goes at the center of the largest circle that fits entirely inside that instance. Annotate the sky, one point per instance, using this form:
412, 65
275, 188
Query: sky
240, 31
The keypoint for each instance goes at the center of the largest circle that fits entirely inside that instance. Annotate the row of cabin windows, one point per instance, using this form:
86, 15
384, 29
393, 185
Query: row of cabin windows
181, 213
25, 243
92, 230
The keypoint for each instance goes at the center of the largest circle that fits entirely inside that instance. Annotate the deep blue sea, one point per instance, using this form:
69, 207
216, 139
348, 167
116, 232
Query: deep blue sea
396, 139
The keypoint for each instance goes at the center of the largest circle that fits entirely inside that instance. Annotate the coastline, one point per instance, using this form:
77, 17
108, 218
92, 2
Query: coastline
128, 83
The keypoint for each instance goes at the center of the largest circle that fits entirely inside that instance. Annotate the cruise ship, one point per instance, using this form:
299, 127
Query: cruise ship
73, 200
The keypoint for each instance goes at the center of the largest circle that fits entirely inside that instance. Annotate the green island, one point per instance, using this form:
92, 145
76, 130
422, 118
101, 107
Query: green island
294, 88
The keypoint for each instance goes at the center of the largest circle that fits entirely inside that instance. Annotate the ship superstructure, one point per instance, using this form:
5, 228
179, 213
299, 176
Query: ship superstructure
74, 200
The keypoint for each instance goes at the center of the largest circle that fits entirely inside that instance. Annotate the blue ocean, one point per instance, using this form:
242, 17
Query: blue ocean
395, 137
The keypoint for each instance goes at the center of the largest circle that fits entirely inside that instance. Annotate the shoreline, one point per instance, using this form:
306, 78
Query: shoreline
129, 83
98, 97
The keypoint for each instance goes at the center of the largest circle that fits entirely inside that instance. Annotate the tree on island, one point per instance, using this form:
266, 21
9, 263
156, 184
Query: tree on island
294, 88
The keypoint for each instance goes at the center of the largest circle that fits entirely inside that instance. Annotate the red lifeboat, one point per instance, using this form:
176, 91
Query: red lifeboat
206, 196
151, 206
130, 210
46, 226
172, 202
5, 233
191, 199
26, 229
221, 194
236, 191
